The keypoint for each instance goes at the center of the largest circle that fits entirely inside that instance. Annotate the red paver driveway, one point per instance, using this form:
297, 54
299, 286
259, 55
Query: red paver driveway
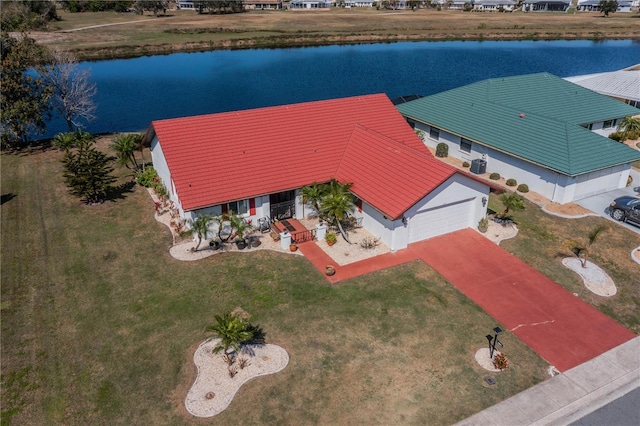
560, 327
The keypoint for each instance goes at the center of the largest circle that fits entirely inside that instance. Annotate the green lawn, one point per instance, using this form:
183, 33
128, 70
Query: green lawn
99, 324
540, 244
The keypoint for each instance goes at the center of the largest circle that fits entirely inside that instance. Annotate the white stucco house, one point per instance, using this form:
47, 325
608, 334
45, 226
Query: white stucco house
594, 6
494, 5
539, 129
255, 162
545, 5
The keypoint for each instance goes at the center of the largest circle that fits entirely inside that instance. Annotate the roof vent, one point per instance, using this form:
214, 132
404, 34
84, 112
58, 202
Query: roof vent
521, 115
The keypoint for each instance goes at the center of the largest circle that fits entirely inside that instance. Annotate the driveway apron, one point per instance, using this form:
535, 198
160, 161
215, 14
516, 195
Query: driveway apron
557, 325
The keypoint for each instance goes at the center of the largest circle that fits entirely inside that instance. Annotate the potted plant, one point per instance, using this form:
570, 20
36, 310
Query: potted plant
275, 236
483, 225
329, 270
331, 238
293, 247
241, 243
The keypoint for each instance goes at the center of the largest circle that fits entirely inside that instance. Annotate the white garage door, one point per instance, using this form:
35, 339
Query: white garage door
441, 220
597, 182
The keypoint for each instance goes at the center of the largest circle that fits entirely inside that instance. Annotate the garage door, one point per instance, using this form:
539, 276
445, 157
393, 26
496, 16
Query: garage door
597, 182
441, 220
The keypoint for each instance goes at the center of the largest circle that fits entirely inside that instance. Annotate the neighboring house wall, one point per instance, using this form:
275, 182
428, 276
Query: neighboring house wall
555, 186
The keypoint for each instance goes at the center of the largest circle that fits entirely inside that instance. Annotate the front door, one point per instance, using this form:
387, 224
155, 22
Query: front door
283, 205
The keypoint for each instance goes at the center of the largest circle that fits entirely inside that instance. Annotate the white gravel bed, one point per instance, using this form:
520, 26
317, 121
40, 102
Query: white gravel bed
483, 359
213, 389
595, 279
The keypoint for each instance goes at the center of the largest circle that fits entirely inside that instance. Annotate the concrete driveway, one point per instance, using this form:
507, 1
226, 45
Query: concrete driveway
599, 204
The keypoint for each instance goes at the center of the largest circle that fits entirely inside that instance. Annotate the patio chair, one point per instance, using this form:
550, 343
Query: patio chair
263, 225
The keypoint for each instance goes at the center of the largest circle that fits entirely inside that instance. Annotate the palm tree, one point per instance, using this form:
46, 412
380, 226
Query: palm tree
581, 248
512, 202
313, 194
337, 204
200, 227
232, 331
630, 126
64, 141
125, 147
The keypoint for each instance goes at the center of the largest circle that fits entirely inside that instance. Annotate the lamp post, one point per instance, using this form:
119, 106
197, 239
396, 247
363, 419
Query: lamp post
493, 340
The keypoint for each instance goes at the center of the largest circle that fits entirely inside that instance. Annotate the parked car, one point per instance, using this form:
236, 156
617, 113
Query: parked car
625, 208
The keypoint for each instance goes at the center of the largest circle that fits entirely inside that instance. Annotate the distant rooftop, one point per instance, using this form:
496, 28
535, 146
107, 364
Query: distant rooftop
623, 84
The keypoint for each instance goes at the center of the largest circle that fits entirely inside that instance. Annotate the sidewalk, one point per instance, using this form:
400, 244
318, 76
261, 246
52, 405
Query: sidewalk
571, 395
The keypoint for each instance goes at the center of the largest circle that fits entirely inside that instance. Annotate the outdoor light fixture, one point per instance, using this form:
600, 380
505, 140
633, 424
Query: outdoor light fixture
493, 340
404, 221
484, 201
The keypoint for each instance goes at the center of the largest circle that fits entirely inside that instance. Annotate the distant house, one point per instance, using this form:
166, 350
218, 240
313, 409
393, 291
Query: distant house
309, 4
546, 5
263, 4
538, 129
359, 3
248, 4
594, 6
494, 5
185, 5
623, 85
255, 162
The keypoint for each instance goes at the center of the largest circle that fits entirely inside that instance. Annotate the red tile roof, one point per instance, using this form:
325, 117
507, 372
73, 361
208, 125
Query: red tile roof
387, 174
229, 156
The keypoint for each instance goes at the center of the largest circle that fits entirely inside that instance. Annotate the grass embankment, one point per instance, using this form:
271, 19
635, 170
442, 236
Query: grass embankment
99, 324
135, 35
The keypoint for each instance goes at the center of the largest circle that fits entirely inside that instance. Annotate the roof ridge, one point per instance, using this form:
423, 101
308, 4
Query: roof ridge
390, 139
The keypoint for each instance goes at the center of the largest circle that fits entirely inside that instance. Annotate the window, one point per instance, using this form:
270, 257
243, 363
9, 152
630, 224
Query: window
465, 145
609, 123
411, 123
434, 133
588, 126
239, 207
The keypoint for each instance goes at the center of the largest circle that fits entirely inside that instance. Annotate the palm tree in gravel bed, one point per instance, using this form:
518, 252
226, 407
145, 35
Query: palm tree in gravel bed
233, 332
581, 248
200, 227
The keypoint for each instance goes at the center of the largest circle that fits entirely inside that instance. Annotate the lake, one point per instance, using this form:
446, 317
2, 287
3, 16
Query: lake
133, 92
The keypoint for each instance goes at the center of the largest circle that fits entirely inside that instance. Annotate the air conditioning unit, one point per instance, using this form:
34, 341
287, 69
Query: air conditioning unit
478, 166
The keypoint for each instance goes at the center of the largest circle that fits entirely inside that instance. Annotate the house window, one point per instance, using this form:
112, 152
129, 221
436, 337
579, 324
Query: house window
609, 123
465, 145
434, 133
411, 123
238, 207
588, 126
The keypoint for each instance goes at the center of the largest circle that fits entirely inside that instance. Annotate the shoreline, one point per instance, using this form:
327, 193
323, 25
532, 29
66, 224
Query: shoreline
302, 41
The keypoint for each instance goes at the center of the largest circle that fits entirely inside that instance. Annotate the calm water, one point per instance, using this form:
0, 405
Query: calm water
133, 92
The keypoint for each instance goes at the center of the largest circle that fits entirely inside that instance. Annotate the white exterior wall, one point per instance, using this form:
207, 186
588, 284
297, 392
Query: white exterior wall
162, 169
456, 189
379, 226
555, 186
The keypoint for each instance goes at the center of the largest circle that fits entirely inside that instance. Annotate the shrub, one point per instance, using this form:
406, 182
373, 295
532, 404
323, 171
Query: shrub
523, 187
369, 243
494, 176
511, 182
442, 150
501, 362
148, 177
465, 164
618, 136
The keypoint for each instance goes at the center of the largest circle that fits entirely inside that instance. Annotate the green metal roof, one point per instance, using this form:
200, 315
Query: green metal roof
535, 117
